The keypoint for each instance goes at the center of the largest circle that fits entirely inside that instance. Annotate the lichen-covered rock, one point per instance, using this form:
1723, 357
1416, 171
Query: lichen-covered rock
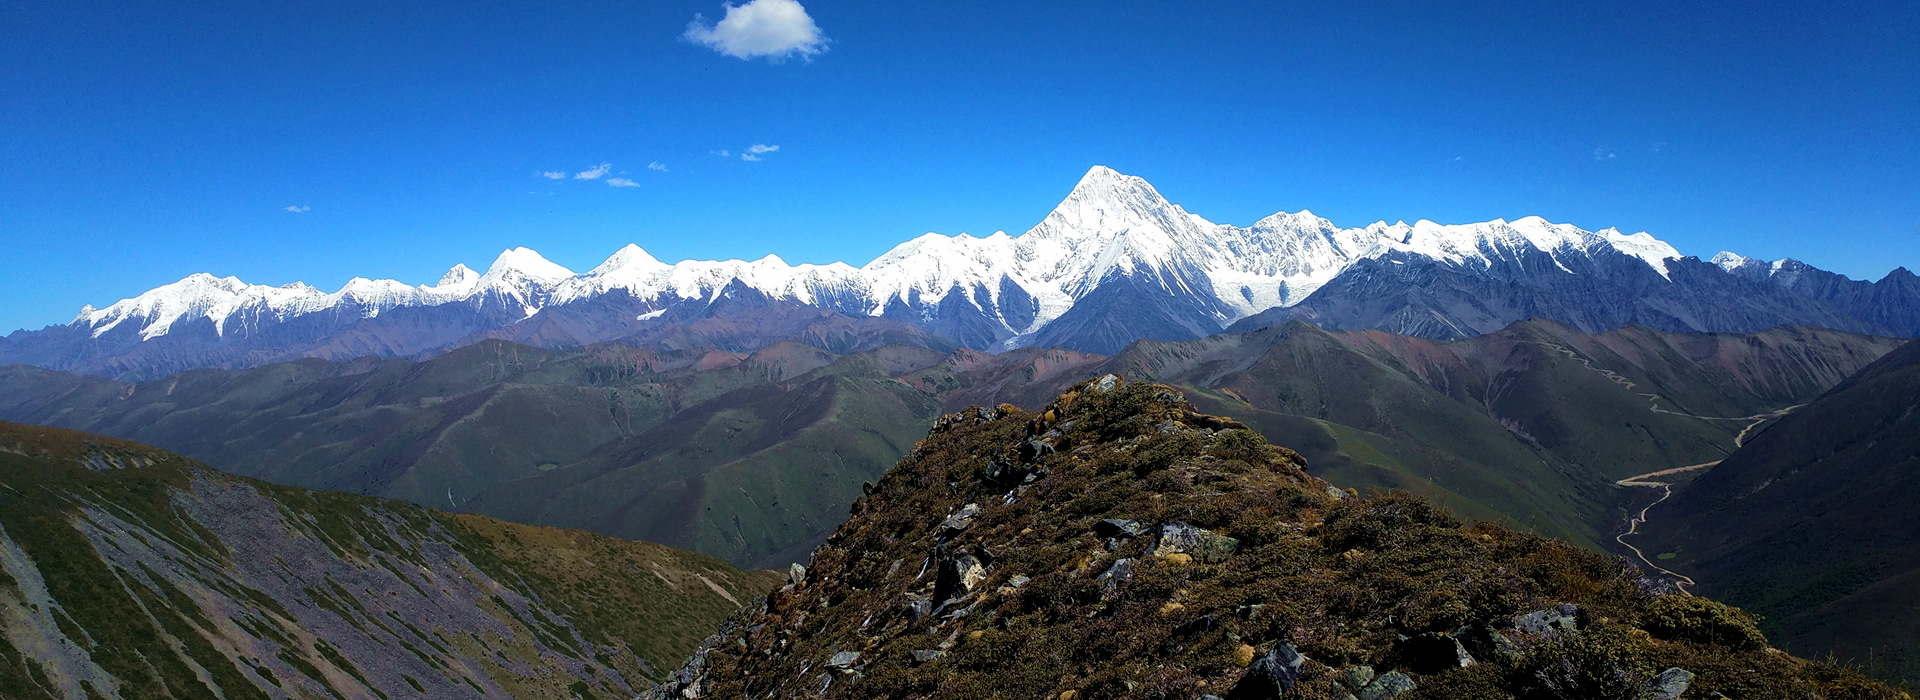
1119, 528
1389, 684
1270, 676
1114, 576
959, 520
1358, 677
1484, 642
1559, 620
1670, 684
1199, 543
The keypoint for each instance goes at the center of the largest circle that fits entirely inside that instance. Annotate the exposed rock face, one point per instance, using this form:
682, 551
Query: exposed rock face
1315, 592
130, 572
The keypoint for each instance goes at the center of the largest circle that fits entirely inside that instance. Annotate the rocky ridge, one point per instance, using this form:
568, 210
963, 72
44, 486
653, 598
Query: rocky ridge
1117, 543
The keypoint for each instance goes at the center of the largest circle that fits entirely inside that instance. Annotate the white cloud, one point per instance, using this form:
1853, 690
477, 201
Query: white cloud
594, 173
722, 153
621, 182
772, 28
754, 152
299, 209
657, 165
552, 174
1603, 154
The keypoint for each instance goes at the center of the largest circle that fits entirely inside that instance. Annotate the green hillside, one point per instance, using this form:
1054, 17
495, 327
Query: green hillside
1812, 523
126, 571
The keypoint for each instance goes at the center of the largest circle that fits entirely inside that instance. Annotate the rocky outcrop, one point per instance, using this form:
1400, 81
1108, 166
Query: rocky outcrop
1156, 552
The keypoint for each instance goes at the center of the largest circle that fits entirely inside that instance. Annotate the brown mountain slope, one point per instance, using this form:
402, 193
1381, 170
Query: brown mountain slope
1117, 544
126, 571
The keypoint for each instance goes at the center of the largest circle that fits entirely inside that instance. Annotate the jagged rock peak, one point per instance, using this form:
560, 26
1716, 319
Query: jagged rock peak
1120, 544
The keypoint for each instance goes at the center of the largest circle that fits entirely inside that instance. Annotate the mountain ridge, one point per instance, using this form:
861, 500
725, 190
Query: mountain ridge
127, 571
1114, 262
1119, 543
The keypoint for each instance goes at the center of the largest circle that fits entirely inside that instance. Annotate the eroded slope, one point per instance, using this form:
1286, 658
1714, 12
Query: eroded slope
132, 572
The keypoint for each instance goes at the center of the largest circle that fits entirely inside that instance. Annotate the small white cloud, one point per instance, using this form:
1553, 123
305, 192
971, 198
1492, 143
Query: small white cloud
1456, 159
1603, 154
754, 152
621, 182
775, 29
722, 153
299, 209
657, 165
552, 174
594, 173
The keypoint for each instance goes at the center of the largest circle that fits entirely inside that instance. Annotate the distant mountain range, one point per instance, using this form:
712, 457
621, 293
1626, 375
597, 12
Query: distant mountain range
752, 456
1115, 262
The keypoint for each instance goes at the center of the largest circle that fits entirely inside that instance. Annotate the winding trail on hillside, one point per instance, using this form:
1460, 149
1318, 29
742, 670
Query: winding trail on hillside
1681, 581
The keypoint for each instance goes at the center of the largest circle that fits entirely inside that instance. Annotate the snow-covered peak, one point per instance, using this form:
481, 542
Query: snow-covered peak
527, 263
458, 276
1642, 245
1110, 224
195, 296
630, 260
1729, 261
1783, 271
1106, 202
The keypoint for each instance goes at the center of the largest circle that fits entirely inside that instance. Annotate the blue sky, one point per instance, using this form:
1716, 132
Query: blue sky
143, 141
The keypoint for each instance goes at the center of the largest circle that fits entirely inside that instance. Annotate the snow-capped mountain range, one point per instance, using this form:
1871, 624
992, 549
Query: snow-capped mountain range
1113, 263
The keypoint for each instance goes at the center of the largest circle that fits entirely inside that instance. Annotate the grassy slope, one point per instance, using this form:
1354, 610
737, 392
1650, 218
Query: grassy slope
1812, 524
1337, 577
163, 577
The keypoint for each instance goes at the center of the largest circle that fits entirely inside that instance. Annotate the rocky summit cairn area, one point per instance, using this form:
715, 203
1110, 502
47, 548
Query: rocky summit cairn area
1119, 544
